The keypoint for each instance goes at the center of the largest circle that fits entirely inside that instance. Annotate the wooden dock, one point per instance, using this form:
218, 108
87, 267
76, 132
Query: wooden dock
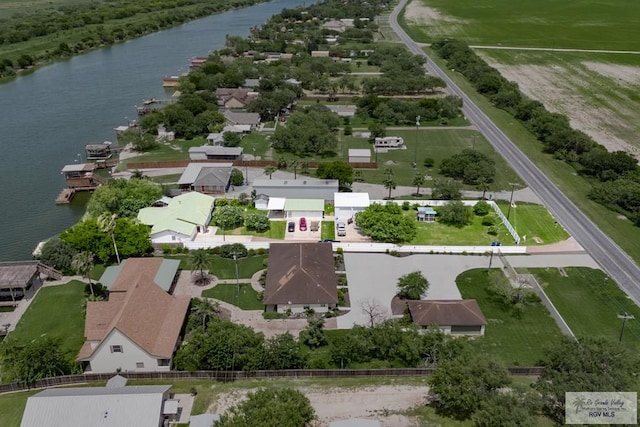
65, 196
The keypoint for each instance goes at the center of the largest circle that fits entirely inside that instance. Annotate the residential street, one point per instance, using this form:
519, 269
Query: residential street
607, 254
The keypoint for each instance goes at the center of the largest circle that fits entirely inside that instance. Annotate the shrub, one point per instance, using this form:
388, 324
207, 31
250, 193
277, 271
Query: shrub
221, 202
227, 251
493, 231
428, 162
488, 221
406, 206
481, 208
166, 249
261, 251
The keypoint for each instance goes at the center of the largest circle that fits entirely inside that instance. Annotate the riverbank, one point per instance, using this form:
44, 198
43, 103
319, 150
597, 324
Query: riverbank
27, 56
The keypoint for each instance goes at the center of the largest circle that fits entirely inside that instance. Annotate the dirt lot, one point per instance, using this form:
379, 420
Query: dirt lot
592, 94
342, 403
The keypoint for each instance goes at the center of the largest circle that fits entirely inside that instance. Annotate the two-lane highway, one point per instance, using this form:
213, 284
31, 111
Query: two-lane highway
613, 260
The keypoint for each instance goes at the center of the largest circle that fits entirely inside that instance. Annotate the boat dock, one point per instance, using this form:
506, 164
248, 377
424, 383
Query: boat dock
65, 196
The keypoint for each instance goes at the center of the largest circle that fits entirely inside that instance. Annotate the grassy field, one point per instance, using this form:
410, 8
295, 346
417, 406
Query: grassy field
328, 230
588, 24
509, 339
246, 300
58, 312
437, 144
535, 222
275, 231
12, 406
175, 150
437, 233
589, 302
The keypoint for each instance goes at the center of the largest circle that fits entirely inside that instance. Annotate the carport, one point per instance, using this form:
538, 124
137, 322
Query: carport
275, 206
304, 208
348, 204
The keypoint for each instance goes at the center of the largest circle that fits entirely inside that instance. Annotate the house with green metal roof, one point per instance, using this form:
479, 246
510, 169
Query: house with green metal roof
185, 216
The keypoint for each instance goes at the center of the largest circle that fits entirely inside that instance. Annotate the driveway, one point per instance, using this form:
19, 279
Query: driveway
373, 277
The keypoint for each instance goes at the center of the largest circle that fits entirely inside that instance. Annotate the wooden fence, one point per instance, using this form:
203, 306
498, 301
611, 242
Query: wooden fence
241, 375
163, 164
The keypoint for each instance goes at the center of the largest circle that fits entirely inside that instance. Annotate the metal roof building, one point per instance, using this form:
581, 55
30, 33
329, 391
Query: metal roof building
138, 406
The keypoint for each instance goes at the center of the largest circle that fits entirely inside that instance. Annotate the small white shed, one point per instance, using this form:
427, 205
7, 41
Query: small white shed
359, 155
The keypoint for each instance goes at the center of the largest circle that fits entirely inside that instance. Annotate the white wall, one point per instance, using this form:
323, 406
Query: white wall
172, 237
303, 214
346, 212
300, 308
105, 361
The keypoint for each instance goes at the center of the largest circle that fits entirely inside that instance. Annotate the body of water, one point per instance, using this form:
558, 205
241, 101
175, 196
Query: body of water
47, 117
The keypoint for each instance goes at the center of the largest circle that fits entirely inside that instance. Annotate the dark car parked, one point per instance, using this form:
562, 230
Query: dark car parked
291, 227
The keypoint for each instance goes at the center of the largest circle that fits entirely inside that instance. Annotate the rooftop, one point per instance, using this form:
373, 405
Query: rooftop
167, 270
212, 150
359, 152
301, 273
17, 273
307, 183
357, 200
79, 167
194, 170
446, 312
314, 205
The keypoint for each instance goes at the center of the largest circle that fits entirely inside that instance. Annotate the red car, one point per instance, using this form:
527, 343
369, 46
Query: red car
303, 224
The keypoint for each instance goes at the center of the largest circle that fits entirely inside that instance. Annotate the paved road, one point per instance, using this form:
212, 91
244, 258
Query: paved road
607, 254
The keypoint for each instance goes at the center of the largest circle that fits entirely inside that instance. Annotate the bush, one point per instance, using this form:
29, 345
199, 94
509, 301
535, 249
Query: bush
221, 202
488, 221
227, 251
493, 231
261, 251
274, 316
406, 206
481, 208
257, 221
428, 162
166, 249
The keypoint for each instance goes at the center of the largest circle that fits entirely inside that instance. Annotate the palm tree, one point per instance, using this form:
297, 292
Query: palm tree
205, 310
199, 261
269, 170
389, 184
294, 164
418, 180
483, 185
137, 174
107, 223
304, 168
82, 264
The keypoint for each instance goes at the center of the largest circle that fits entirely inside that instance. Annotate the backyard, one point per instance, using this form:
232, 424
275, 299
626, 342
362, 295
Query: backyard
57, 312
510, 339
225, 268
535, 222
275, 231
246, 298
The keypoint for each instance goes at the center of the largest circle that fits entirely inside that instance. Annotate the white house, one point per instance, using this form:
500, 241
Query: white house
306, 188
347, 205
165, 135
126, 406
138, 327
300, 276
343, 110
359, 155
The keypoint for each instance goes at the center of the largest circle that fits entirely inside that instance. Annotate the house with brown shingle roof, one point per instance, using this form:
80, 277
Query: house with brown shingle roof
235, 97
455, 317
300, 276
138, 328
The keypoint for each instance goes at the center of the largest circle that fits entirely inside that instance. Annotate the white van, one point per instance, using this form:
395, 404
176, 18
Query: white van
342, 229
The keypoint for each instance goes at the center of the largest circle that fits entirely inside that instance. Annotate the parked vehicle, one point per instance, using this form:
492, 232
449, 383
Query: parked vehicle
303, 224
291, 227
342, 229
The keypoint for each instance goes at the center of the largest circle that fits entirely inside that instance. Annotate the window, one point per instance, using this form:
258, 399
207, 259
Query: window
116, 349
164, 362
139, 365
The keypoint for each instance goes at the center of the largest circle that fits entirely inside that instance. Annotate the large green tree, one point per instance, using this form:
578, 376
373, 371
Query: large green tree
283, 351
123, 197
308, 132
342, 171
386, 223
470, 167
57, 254
41, 358
455, 213
82, 264
272, 407
228, 216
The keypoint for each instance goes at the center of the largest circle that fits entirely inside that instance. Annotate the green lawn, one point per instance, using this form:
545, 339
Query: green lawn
224, 268
589, 302
12, 406
275, 231
246, 300
175, 150
534, 221
510, 340
166, 179
58, 312
328, 230
588, 24
437, 144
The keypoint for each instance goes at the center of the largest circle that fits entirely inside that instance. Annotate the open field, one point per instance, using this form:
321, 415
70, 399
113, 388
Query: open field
509, 339
589, 302
225, 268
247, 299
57, 312
534, 222
588, 24
437, 144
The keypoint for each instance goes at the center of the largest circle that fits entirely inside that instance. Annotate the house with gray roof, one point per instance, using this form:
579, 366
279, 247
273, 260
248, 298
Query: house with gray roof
126, 406
303, 188
207, 178
208, 152
300, 276
236, 118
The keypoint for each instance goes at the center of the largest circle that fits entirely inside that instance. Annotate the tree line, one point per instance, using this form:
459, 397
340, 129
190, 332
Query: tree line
612, 173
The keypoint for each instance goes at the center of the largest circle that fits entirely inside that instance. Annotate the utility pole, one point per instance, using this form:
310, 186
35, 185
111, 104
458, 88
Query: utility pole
473, 146
415, 148
624, 317
491, 258
513, 187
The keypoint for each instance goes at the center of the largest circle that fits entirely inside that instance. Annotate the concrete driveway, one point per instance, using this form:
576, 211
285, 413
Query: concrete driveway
375, 276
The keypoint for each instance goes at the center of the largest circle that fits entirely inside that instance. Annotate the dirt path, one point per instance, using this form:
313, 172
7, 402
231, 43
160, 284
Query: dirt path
375, 402
556, 49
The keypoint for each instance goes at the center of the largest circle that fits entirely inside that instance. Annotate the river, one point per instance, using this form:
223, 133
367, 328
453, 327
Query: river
48, 116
